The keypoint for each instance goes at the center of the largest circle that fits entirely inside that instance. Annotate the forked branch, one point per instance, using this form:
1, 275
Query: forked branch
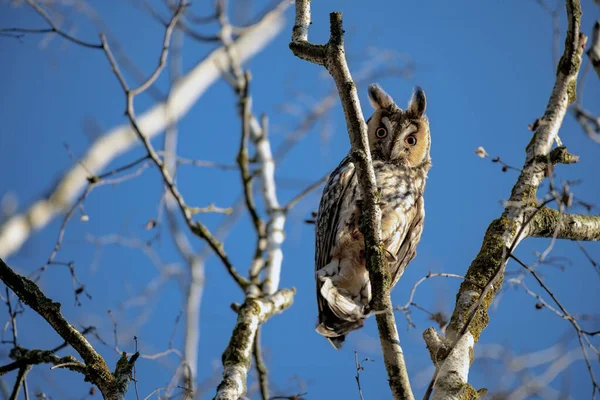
550, 223
452, 354
238, 355
332, 57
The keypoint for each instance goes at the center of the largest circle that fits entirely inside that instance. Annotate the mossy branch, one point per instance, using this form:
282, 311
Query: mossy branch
24, 357
332, 57
550, 223
238, 354
112, 386
470, 316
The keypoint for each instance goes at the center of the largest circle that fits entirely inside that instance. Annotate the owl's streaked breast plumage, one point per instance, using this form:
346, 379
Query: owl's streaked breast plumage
401, 193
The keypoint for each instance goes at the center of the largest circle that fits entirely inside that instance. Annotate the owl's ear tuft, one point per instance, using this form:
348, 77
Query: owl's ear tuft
379, 98
417, 103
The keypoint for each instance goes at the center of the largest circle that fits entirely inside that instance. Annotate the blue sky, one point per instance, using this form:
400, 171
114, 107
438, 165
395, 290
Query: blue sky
487, 71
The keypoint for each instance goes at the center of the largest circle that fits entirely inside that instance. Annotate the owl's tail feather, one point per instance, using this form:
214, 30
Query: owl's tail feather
340, 304
335, 339
340, 315
335, 330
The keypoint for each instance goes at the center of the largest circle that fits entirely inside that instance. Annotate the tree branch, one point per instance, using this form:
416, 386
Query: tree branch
113, 386
195, 226
53, 28
261, 368
21, 375
238, 355
452, 353
332, 57
550, 223
17, 229
24, 357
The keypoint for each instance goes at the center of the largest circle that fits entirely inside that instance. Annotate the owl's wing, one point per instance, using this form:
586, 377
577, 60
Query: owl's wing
328, 217
329, 208
403, 242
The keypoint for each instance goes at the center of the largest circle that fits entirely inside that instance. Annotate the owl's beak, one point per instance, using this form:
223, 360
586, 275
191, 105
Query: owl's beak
399, 152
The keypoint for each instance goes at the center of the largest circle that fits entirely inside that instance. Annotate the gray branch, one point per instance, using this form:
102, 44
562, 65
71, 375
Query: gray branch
332, 57
452, 354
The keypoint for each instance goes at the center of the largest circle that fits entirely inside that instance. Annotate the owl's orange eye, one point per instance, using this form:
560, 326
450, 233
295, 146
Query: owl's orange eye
411, 140
381, 133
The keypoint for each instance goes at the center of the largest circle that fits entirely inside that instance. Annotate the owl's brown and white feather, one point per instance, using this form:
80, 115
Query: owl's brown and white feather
399, 141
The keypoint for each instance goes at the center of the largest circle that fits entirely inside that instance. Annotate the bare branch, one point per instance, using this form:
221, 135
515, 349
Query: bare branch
119, 140
410, 302
243, 158
261, 368
553, 12
566, 315
25, 357
332, 57
277, 216
53, 29
20, 381
258, 133
589, 122
359, 367
195, 226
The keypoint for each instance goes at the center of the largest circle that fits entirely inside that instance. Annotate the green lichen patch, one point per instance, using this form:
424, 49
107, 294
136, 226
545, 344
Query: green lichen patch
379, 276
545, 221
572, 87
524, 194
468, 392
240, 339
481, 271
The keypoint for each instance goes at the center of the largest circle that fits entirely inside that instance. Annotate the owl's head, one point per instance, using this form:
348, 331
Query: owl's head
396, 135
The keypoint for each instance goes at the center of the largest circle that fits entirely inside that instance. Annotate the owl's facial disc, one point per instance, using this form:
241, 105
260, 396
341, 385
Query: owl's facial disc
411, 145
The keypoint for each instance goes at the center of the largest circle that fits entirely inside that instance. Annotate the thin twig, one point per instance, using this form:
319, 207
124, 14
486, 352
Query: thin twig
195, 226
19, 381
116, 141
243, 158
473, 309
53, 28
589, 257
359, 367
305, 192
261, 368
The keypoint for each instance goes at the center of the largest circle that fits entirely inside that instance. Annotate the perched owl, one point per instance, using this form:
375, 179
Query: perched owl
399, 141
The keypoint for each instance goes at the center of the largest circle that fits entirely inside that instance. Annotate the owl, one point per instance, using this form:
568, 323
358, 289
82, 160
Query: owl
399, 141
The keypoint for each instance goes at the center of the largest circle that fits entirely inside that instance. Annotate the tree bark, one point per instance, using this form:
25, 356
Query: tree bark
452, 354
